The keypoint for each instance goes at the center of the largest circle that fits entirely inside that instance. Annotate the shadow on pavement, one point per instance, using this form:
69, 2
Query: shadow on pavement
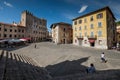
74, 70
67, 67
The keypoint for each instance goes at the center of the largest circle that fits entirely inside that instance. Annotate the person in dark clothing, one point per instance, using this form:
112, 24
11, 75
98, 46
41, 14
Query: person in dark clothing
35, 46
91, 69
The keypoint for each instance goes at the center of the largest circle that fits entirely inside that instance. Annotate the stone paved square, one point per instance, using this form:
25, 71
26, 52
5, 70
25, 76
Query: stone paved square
48, 53
65, 61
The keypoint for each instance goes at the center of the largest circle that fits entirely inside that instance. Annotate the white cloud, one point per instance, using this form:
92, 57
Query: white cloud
8, 4
83, 8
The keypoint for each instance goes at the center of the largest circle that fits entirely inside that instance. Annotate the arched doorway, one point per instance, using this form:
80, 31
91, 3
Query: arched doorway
92, 43
63, 41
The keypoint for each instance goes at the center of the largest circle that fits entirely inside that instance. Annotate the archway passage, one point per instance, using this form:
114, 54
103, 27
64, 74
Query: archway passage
63, 41
92, 43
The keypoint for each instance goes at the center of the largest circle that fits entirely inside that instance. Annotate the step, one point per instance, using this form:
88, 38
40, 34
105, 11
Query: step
2, 65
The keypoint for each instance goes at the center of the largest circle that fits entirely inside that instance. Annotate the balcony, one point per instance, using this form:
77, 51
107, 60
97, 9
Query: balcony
92, 37
80, 37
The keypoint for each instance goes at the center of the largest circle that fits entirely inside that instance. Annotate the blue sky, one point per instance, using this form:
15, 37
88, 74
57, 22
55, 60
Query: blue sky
54, 10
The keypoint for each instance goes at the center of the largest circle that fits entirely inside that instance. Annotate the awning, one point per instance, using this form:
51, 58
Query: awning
23, 39
91, 41
2, 41
14, 40
26, 39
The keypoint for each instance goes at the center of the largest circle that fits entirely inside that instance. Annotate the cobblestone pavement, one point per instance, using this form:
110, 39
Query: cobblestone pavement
48, 53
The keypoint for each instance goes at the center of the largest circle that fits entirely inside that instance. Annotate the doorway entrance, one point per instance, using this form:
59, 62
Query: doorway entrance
63, 41
92, 44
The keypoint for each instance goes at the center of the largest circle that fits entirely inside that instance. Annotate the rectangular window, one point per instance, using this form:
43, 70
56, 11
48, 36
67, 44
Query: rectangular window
75, 22
23, 31
15, 30
15, 36
19, 30
99, 33
85, 20
5, 35
85, 34
80, 28
40, 22
100, 42
63, 35
10, 30
80, 21
99, 24
10, 35
100, 15
75, 29
85, 27
91, 34
91, 26
75, 34
64, 29
5, 30
91, 18
80, 35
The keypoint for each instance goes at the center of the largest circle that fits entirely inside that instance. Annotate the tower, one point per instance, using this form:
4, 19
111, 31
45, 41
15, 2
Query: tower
26, 18
23, 18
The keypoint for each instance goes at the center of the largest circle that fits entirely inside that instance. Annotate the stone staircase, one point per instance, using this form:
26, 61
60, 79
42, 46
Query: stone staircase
20, 67
99, 75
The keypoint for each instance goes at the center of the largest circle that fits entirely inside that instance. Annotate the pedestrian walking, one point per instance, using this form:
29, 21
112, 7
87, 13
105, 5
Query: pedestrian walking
91, 69
103, 57
35, 45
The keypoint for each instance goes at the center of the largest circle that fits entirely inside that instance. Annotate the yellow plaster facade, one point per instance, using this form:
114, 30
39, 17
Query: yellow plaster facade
118, 34
91, 30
